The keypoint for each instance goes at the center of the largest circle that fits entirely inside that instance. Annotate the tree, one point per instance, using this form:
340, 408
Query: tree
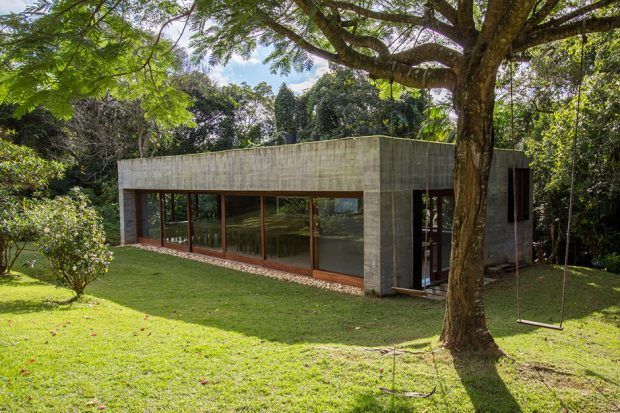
344, 102
70, 235
286, 114
454, 45
22, 172
459, 47
72, 50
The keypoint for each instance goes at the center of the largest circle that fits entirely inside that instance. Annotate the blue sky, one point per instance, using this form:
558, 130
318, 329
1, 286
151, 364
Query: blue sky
251, 71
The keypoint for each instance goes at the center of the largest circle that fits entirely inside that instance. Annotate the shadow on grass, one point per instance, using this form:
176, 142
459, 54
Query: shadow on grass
484, 386
274, 310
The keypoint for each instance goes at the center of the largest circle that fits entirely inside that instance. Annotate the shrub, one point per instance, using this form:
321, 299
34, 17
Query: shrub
16, 229
71, 236
609, 262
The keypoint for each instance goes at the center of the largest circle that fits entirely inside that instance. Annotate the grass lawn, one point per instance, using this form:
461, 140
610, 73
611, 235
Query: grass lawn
161, 333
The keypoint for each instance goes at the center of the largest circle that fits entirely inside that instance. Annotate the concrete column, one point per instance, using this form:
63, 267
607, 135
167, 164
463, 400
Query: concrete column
387, 241
127, 208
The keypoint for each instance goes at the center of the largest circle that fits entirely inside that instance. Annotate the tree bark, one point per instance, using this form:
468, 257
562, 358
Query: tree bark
464, 325
3, 264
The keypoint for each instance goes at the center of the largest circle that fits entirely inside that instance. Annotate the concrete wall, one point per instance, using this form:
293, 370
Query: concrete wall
386, 170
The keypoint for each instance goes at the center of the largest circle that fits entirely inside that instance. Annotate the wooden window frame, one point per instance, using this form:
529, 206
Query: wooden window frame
314, 272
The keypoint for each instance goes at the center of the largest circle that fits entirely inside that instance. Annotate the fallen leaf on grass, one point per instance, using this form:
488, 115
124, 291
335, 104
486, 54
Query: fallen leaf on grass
24, 372
93, 334
141, 328
204, 381
32, 361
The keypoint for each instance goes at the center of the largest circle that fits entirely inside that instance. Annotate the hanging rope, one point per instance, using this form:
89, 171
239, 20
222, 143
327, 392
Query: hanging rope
570, 197
584, 40
514, 183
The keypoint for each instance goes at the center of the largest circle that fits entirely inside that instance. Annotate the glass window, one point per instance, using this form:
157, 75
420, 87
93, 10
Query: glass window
243, 225
522, 180
149, 215
175, 218
287, 231
206, 221
447, 212
340, 235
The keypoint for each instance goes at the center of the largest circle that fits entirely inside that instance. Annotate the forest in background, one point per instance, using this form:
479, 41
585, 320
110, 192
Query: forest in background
346, 103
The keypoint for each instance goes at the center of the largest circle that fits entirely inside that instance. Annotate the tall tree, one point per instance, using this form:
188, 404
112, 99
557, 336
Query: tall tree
286, 114
458, 46
454, 45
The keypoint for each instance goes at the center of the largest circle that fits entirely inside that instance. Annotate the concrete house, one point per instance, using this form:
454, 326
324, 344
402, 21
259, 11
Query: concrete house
353, 211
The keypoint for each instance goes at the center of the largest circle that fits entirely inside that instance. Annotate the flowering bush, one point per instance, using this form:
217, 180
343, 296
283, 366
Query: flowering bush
71, 236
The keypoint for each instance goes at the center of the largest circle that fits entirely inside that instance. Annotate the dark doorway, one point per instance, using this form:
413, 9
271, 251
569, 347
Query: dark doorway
432, 236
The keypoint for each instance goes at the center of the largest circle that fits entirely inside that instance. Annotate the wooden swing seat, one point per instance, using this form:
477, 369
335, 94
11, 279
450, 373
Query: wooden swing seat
539, 324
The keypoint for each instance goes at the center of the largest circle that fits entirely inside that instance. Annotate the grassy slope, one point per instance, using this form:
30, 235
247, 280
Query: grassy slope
156, 325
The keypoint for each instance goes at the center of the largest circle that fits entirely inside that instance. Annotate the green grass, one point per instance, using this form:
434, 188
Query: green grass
157, 325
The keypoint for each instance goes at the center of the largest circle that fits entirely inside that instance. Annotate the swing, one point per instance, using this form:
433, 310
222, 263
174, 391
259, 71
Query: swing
570, 200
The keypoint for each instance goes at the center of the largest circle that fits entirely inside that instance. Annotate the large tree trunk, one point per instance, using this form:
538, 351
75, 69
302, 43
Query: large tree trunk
464, 325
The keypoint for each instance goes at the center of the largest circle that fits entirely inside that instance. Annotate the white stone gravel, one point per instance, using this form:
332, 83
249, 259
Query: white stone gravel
255, 269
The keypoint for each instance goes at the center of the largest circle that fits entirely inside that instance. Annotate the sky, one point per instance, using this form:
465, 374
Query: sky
252, 71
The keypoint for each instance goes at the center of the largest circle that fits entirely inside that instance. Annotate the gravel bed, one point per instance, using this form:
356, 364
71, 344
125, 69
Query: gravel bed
255, 269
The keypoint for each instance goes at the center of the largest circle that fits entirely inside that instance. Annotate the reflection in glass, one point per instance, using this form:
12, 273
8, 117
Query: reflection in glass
340, 235
287, 233
206, 221
447, 214
149, 219
243, 225
175, 218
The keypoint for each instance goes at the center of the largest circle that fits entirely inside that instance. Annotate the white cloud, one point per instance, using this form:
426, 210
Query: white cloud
216, 73
240, 60
321, 67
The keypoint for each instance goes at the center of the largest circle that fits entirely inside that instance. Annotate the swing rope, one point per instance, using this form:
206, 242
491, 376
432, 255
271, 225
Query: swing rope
570, 197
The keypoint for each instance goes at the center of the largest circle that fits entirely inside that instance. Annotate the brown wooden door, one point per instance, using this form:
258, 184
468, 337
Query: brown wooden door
433, 237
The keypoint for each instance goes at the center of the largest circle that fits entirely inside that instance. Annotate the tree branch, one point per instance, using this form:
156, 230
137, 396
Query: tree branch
429, 22
377, 67
297, 38
465, 15
575, 13
591, 25
428, 52
446, 10
541, 14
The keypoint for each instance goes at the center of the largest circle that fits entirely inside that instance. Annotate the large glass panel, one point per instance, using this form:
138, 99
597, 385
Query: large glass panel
340, 235
287, 231
149, 215
206, 221
243, 225
175, 218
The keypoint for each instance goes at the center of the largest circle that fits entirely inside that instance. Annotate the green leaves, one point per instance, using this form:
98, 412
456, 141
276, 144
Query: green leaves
21, 168
71, 236
76, 49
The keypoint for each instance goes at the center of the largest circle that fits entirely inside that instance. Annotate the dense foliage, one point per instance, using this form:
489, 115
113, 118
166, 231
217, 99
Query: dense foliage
70, 235
56, 53
546, 93
22, 174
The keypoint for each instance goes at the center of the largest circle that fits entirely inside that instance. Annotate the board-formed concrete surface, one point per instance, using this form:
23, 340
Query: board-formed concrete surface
386, 170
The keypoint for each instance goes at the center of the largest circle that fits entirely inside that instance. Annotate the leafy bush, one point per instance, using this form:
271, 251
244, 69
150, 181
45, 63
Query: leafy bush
71, 236
609, 262
16, 228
